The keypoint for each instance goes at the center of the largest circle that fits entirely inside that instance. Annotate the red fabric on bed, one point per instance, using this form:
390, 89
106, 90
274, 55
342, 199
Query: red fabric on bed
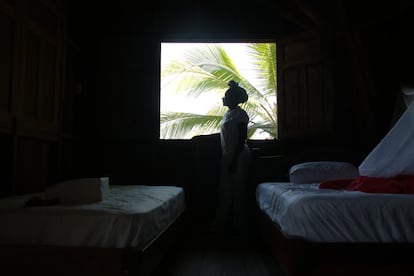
402, 184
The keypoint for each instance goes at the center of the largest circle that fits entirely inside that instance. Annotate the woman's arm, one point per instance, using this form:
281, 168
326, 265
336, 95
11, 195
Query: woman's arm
241, 140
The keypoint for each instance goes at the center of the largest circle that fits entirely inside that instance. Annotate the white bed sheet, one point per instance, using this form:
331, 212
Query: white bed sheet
129, 216
327, 215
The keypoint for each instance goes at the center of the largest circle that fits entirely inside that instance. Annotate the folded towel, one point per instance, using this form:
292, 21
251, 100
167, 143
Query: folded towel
401, 184
79, 191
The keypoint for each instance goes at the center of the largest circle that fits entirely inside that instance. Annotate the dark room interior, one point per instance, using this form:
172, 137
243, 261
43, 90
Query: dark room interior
80, 89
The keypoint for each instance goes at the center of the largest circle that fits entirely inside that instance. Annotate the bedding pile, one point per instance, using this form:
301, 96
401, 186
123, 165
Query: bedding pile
393, 156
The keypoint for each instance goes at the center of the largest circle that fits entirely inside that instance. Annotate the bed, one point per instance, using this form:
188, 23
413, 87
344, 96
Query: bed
333, 218
124, 232
313, 231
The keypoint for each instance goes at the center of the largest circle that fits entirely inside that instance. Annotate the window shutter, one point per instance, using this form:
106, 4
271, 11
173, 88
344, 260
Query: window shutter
304, 95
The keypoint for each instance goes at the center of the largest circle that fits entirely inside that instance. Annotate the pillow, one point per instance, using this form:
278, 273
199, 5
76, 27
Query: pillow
319, 171
79, 191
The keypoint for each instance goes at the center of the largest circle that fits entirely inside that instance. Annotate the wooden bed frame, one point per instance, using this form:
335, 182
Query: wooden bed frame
82, 261
298, 257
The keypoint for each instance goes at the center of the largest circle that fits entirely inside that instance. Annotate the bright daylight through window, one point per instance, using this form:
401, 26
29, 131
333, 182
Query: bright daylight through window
194, 77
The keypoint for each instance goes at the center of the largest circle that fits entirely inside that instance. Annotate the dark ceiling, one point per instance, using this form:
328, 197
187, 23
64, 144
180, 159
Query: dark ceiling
276, 17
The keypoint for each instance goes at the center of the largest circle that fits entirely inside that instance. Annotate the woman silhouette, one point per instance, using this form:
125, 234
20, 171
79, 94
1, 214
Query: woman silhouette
235, 162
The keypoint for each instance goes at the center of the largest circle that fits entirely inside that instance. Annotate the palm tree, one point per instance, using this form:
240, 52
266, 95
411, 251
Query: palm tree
208, 68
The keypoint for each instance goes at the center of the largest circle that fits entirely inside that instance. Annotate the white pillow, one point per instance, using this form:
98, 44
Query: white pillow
319, 171
79, 191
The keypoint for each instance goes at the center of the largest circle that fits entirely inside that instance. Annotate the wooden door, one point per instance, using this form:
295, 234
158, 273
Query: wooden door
8, 68
305, 97
31, 75
41, 74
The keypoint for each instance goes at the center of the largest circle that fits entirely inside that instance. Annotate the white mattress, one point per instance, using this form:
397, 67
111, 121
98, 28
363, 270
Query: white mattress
326, 215
129, 216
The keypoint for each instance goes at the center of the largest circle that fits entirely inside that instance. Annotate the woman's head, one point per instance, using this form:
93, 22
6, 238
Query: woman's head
234, 95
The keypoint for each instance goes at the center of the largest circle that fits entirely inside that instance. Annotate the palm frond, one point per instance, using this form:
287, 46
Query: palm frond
207, 68
175, 125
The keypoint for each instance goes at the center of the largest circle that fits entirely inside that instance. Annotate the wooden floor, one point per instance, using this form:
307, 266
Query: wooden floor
208, 254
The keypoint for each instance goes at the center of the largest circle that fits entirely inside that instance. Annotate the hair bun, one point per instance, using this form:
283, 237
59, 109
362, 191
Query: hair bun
238, 92
232, 84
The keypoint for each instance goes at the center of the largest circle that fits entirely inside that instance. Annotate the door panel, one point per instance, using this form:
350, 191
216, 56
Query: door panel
304, 96
7, 36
